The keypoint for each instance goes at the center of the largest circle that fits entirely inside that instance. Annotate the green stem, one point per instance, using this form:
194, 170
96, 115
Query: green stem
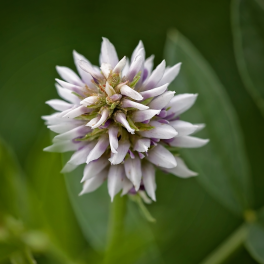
23, 257
228, 247
115, 228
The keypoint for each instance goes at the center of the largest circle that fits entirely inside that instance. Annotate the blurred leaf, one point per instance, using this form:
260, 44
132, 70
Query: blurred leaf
248, 34
6, 250
255, 239
222, 163
55, 210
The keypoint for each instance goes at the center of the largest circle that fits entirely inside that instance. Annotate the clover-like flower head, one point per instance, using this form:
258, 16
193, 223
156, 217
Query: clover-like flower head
120, 119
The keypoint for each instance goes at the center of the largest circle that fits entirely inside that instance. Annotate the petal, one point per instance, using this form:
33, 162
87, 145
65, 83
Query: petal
77, 112
180, 103
161, 157
142, 144
120, 65
121, 118
95, 182
139, 50
122, 150
93, 121
99, 149
67, 95
181, 169
126, 90
94, 168
170, 74
127, 185
143, 115
64, 146
188, 142
162, 100
135, 67
155, 91
148, 172
183, 128
58, 104
155, 77
113, 131
133, 171
93, 71
74, 88
109, 89
104, 116
129, 103
69, 75
79, 157
65, 126
148, 65
114, 182
91, 100
108, 53
160, 130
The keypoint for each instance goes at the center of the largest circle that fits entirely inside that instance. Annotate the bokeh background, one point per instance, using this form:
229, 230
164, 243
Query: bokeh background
38, 35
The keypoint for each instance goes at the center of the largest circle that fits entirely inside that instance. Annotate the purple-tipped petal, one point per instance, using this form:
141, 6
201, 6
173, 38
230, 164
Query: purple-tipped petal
99, 149
170, 74
122, 150
128, 103
188, 142
155, 91
133, 171
114, 182
108, 53
161, 101
148, 172
113, 131
161, 157
126, 90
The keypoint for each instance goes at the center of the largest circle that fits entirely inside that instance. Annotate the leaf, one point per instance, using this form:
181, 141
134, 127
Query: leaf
248, 34
222, 164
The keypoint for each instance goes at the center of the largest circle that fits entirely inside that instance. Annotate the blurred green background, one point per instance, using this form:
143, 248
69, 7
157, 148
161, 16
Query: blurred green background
38, 35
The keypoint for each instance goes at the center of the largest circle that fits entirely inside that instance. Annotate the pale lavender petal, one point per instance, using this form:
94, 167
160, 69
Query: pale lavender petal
109, 89
77, 112
113, 131
87, 67
104, 116
136, 66
94, 168
188, 142
121, 118
162, 100
67, 95
65, 126
155, 91
95, 182
142, 144
170, 74
163, 114
161, 157
131, 154
114, 181
181, 170
69, 75
162, 131
127, 185
128, 103
141, 156
183, 128
148, 65
64, 146
74, 88
139, 50
133, 171
148, 172
59, 105
120, 65
116, 97
91, 100
106, 69
93, 121
108, 53
126, 90
122, 150
140, 116
181, 103
99, 149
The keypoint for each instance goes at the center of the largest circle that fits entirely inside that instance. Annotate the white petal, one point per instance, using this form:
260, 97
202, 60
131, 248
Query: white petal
170, 74
155, 91
162, 100
69, 75
99, 149
155, 77
129, 103
160, 130
79, 157
93, 71
121, 118
161, 157
140, 116
106, 69
188, 142
73, 133
138, 51
183, 128
148, 172
135, 67
122, 150
148, 65
58, 104
142, 144
94, 168
91, 100
74, 88
109, 89
200, 127
108, 53
181, 169
181, 103
93, 121
127, 185
67, 95
77, 112
113, 131
120, 65
95, 182
64, 146
104, 116
65, 126
133, 171
114, 181
126, 90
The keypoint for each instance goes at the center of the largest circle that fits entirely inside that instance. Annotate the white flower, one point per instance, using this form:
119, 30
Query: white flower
120, 120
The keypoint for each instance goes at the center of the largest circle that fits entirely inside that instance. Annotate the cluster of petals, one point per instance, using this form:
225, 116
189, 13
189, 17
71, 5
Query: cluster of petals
121, 120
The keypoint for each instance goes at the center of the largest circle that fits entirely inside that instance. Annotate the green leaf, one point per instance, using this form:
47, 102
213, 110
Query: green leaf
248, 35
222, 164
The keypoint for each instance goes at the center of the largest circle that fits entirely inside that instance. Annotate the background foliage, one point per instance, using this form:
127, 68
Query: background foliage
221, 45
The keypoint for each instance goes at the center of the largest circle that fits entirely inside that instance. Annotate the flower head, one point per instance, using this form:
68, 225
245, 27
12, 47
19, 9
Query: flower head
120, 119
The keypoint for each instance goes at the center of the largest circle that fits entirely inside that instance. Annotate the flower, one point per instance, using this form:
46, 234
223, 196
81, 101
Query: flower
120, 119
